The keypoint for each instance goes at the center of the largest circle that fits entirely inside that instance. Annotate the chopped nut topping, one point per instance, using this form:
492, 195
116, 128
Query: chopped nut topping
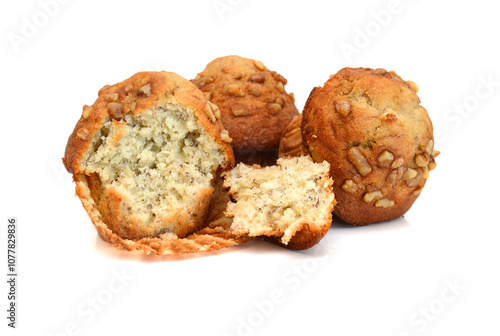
208, 95
235, 90
343, 107
217, 114
292, 97
425, 172
392, 177
258, 77
86, 111
389, 115
413, 85
83, 133
397, 163
400, 171
146, 89
129, 87
372, 196
240, 110
115, 109
435, 154
429, 147
274, 108
380, 71
259, 65
133, 106
294, 131
292, 139
385, 158
359, 161
280, 87
255, 90
421, 160
432, 165
279, 78
413, 182
409, 174
349, 186
204, 81
280, 101
215, 109
211, 113
112, 97
384, 203
225, 136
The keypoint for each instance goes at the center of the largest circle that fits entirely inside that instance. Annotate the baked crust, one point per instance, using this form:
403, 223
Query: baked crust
254, 104
141, 92
369, 125
306, 236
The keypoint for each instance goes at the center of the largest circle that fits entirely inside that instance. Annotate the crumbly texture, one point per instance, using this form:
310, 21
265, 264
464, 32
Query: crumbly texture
144, 157
254, 104
291, 142
369, 125
291, 202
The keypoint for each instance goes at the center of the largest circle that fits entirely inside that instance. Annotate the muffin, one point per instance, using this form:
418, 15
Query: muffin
369, 125
289, 203
144, 157
254, 105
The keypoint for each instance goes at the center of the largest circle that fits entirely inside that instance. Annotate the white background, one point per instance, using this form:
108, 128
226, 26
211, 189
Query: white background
433, 272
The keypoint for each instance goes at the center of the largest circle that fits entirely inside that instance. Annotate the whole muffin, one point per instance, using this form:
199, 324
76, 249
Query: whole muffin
254, 104
369, 125
144, 158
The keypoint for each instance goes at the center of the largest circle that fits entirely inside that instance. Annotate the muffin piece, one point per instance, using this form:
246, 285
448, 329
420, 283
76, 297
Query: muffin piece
144, 157
254, 105
369, 125
291, 202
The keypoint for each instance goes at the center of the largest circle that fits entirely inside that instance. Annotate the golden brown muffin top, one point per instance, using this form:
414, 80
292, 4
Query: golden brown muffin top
254, 103
370, 126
